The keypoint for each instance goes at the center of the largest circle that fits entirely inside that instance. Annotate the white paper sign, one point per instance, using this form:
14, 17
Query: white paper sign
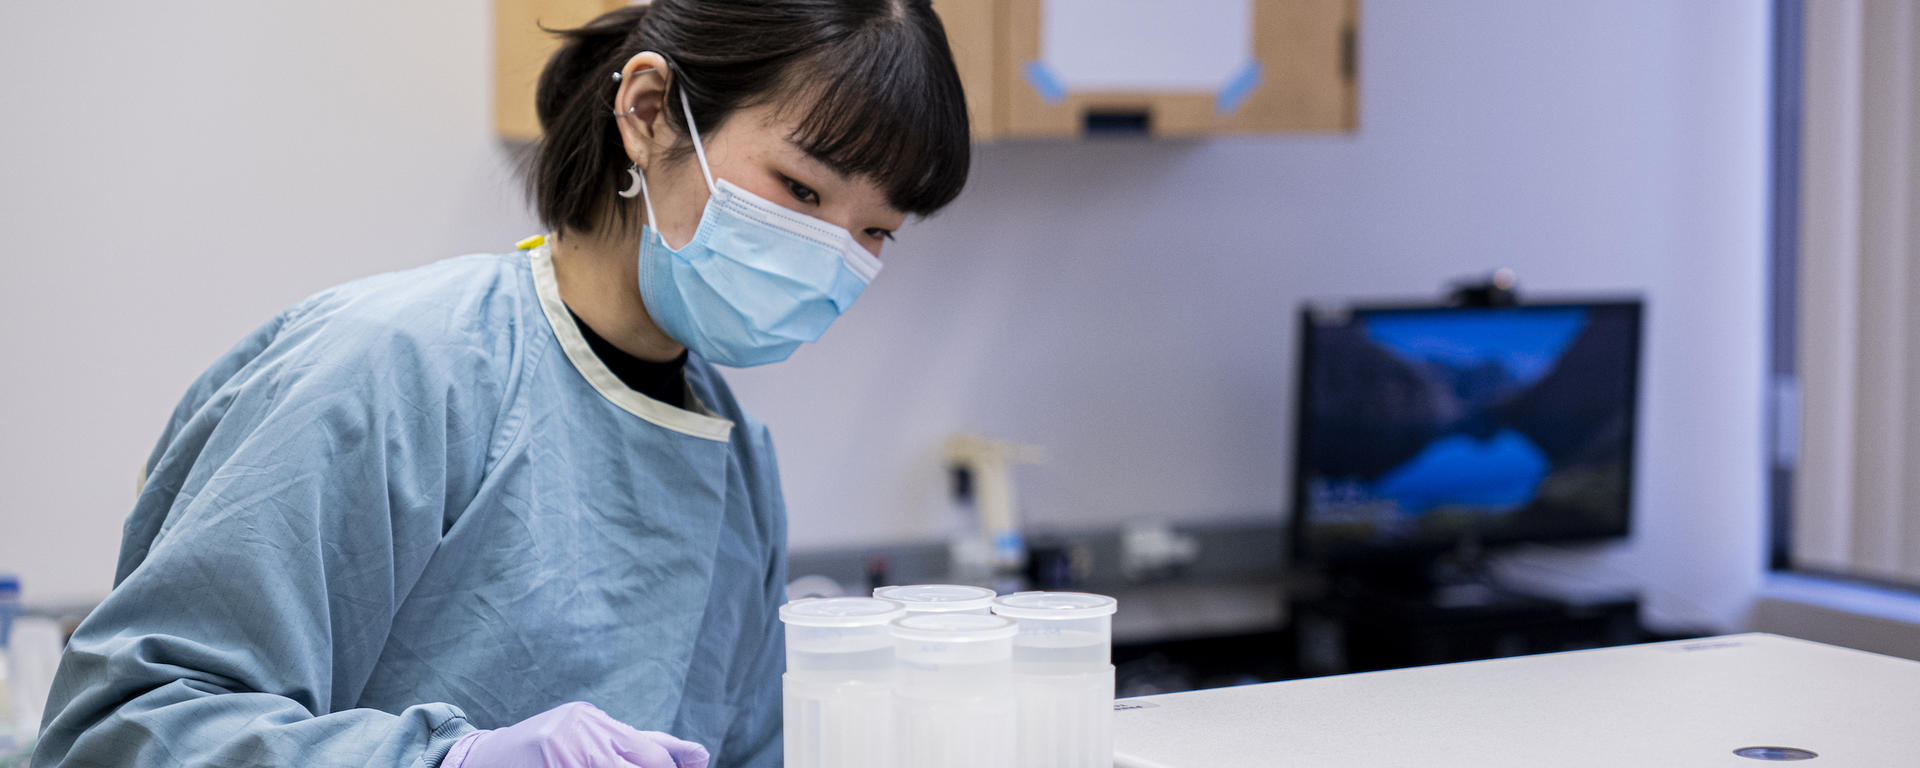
1145, 45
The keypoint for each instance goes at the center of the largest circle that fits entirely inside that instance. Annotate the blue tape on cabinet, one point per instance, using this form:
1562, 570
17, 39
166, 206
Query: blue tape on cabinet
1235, 92
1044, 83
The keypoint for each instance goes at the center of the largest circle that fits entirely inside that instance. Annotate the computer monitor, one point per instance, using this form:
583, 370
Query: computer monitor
1423, 429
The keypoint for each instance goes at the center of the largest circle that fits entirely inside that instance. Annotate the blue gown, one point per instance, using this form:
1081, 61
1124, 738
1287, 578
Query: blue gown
417, 505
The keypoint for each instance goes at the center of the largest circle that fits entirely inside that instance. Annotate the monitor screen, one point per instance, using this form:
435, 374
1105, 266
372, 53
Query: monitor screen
1423, 427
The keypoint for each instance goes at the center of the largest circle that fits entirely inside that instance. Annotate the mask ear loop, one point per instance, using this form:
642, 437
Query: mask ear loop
686, 108
647, 200
640, 176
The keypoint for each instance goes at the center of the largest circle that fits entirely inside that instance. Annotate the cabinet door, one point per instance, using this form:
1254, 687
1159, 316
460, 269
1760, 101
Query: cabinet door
521, 48
973, 34
1302, 78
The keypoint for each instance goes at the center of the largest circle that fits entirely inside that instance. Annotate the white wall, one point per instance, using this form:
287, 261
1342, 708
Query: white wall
1128, 305
173, 174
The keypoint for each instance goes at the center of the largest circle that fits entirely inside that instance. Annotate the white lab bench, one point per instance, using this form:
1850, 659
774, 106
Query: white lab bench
1675, 705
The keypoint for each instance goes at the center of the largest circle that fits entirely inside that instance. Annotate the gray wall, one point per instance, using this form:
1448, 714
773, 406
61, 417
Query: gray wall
176, 173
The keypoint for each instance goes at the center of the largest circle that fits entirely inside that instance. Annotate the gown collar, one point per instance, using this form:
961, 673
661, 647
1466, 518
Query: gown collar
697, 422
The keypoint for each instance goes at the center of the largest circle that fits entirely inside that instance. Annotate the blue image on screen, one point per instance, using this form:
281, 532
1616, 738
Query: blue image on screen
1426, 423
1526, 344
1513, 350
1493, 476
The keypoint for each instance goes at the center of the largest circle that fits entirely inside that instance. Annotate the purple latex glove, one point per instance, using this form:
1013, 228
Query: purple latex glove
576, 735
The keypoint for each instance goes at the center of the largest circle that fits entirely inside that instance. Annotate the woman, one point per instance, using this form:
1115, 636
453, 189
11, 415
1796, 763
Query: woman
502, 510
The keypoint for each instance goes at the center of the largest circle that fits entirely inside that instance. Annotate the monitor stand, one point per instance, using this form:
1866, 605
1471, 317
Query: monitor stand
1443, 609
1461, 577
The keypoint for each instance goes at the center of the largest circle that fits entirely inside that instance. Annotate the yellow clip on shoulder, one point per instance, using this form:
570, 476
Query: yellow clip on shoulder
531, 243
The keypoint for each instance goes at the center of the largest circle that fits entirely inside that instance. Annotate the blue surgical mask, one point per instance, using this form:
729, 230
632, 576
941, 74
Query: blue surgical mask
756, 281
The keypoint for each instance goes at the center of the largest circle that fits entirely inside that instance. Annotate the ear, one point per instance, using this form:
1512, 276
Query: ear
640, 108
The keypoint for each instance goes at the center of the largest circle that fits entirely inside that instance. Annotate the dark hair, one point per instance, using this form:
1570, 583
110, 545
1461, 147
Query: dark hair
875, 80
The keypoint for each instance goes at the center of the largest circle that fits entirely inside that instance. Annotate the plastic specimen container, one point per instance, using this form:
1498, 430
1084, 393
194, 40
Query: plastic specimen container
953, 690
838, 689
940, 598
1062, 678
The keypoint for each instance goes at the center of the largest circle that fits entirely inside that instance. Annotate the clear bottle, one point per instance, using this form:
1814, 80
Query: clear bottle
838, 689
9, 606
12, 742
953, 690
1062, 678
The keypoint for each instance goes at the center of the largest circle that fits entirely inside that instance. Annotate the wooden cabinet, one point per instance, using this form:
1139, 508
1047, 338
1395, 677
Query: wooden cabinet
973, 32
521, 48
1301, 75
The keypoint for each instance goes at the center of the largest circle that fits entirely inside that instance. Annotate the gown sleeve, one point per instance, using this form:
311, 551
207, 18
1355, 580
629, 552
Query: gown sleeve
288, 512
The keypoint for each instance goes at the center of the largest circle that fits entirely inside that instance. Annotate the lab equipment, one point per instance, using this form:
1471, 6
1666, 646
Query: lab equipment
13, 738
1062, 678
982, 468
9, 606
573, 735
814, 585
1776, 754
1683, 704
940, 598
31, 655
838, 688
1154, 551
954, 690
1057, 564
756, 281
422, 490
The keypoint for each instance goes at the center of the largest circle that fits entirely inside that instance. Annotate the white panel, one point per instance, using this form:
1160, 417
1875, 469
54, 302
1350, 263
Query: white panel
1909, 215
238, 156
1829, 336
1883, 455
1145, 45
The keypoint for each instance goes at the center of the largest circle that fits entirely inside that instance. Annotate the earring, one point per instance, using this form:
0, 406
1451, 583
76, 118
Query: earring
616, 77
633, 189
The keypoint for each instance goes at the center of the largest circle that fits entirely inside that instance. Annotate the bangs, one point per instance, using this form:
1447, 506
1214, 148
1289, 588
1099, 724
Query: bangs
886, 104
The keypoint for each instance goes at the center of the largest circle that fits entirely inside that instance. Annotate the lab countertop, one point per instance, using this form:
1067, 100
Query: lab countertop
1682, 704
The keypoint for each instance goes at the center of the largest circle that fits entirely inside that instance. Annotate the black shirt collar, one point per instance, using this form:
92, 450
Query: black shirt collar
665, 382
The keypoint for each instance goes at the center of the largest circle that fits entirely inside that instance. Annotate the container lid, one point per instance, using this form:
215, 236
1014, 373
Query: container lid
954, 628
1055, 605
933, 598
840, 612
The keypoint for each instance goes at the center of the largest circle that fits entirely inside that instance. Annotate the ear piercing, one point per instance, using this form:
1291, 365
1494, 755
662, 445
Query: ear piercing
633, 189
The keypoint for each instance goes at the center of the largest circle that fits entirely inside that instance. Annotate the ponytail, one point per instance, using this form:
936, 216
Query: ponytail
574, 162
